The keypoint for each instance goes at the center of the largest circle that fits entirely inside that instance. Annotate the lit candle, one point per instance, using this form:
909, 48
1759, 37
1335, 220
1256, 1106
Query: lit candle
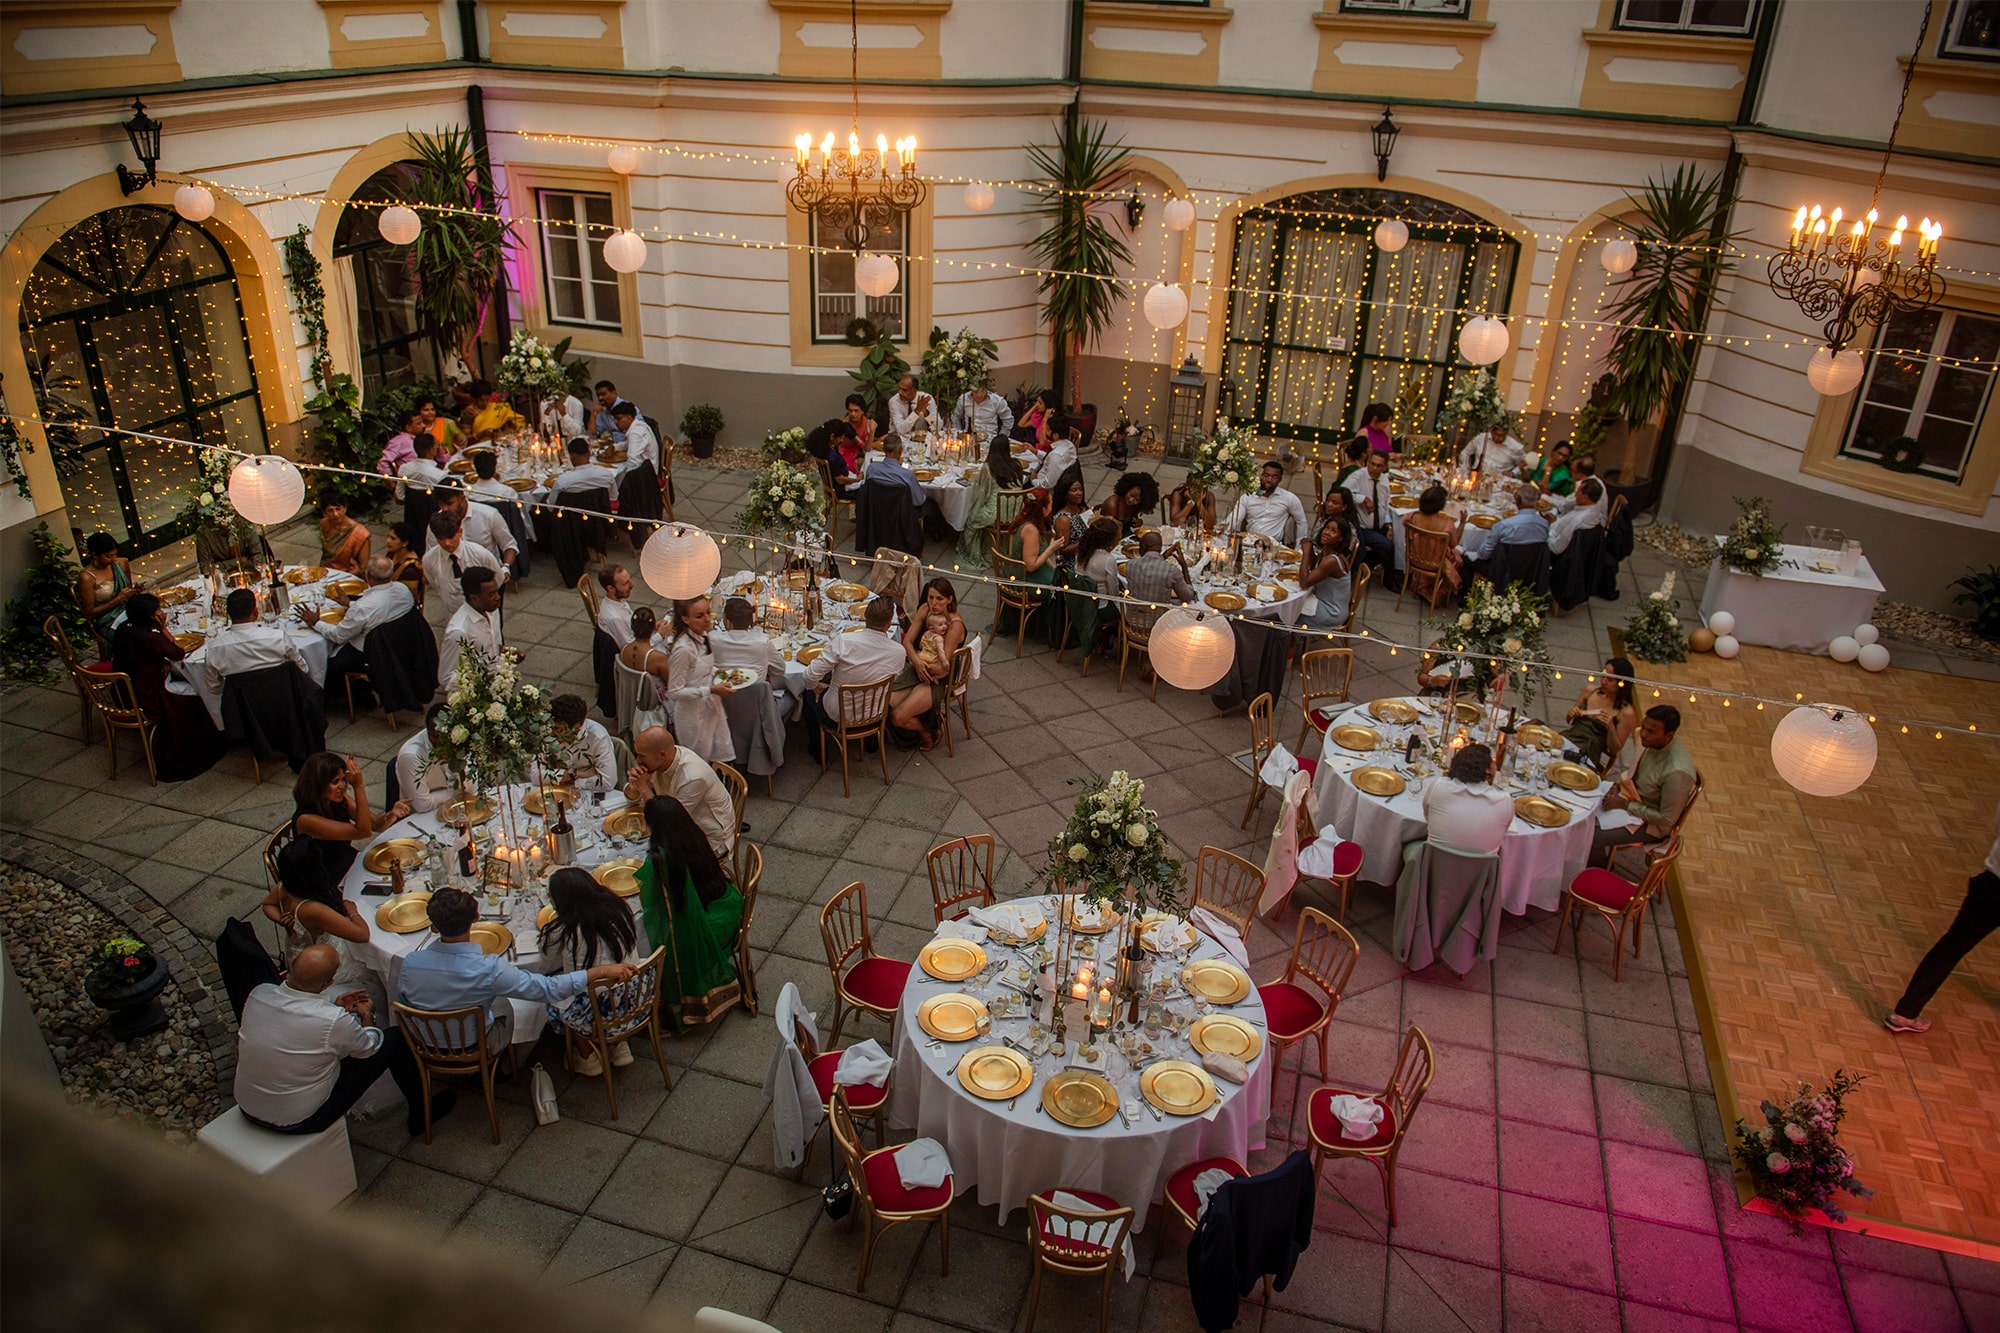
804, 144
1080, 990
1798, 225
882, 148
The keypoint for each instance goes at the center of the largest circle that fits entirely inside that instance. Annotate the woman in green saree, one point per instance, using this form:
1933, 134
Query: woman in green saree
691, 909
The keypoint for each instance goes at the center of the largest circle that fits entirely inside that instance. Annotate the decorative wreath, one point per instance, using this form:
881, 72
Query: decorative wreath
1904, 455
861, 332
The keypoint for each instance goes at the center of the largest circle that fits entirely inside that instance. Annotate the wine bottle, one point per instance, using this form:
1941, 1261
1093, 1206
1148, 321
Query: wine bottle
466, 861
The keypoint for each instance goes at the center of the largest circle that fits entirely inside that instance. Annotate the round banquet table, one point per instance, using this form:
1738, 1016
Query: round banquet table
1009, 1150
1272, 597
197, 617
947, 485
1536, 863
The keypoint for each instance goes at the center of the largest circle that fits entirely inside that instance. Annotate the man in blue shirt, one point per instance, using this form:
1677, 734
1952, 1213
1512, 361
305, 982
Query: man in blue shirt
604, 421
1527, 527
889, 467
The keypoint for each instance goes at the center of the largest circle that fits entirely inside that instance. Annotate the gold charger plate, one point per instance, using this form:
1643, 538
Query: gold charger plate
189, 641
405, 913
1469, 713
1483, 520
808, 653
1225, 1034
924, 473
1573, 776
951, 959
846, 592
540, 800
1540, 810
1226, 601
1107, 919
405, 851
1270, 592
459, 465
1403, 502
1378, 781
545, 917
953, 1016
347, 587
626, 822
620, 876
1396, 712
1178, 1087
1539, 736
455, 811
1354, 736
492, 936
1028, 936
176, 596
1216, 980
332, 615
522, 483
995, 1073
1188, 933
611, 456
1080, 1099
305, 574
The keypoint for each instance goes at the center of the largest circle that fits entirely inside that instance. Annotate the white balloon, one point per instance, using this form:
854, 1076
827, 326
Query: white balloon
1843, 649
194, 203
1874, 657
1392, 234
1722, 622
624, 159
399, 225
1166, 306
1726, 645
1866, 634
1483, 340
266, 489
679, 561
1824, 750
876, 275
1618, 256
625, 251
1178, 214
979, 196
1192, 649
1834, 373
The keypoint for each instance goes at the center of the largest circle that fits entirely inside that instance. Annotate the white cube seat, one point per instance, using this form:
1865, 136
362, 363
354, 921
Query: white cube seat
316, 1170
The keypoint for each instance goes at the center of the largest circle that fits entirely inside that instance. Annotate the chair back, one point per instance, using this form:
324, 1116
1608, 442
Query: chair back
1425, 552
960, 679
1007, 506
1008, 567
865, 707
1356, 597
832, 492
111, 695
1087, 1240
279, 838
450, 1041
1263, 733
803, 1035
844, 1134
620, 1008
1659, 863
738, 787
586, 588
667, 446
1618, 506
623, 754
1323, 952
59, 639
1325, 673
750, 859
960, 870
1416, 1063
1228, 886
1519, 562
843, 928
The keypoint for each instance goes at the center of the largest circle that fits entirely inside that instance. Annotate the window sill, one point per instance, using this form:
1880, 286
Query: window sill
1402, 25
1878, 480
1669, 43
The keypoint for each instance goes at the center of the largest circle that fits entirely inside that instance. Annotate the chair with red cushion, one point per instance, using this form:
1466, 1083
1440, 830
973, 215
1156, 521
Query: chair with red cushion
880, 1196
868, 981
1323, 958
1399, 1100
1089, 1240
863, 1099
1347, 858
1325, 675
52, 628
961, 872
1618, 900
1180, 1193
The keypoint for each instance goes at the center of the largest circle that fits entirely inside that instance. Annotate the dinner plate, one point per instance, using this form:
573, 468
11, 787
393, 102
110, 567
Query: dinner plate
1542, 811
305, 574
332, 615
995, 1073
455, 811
750, 589
1270, 592
1573, 776
1354, 736
1225, 1034
611, 456
546, 917
924, 473
846, 592
1107, 918
1216, 980
522, 483
492, 936
1396, 712
1378, 781
406, 851
347, 587
1403, 502
1468, 713
1149, 940
1226, 601
405, 913
620, 876
808, 653
953, 1016
1178, 1087
735, 677
1028, 936
1080, 1099
626, 822
176, 596
459, 465
1539, 736
951, 959
1483, 520
542, 800
189, 641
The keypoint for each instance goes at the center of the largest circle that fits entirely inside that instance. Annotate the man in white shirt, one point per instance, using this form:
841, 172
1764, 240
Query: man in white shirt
641, 445
861, 658
664, 767
1060, 457
984, 414
480, 523
302, 1059
424, 788
1464, 812
248, 644
1588, 513
911, 414
1271, 510
564, 419
422, 471
383, 600
741, 644
1494, 454
584, 473
589, 763
486, 483
451, 557
614, 608
1368, 496
474, 625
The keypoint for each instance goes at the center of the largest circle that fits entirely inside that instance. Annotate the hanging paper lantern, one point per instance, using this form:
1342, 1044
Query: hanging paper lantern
1178, 214
1166, 306
1834, 373
1392, 234
625, 251
876, 275
399, 225
1722, 622
1192, 649
1874, 657
1866, 634
1483, 340
267, 490
679, 561
1823, 750
624, 159
1843, 649
194, 203
978, 196
1618, 256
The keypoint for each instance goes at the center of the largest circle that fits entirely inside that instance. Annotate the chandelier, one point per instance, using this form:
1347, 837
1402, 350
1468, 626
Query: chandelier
1846, 279
855, 191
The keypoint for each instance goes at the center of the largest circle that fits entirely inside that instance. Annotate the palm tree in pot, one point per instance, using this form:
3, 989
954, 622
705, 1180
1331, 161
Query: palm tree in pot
1077, 250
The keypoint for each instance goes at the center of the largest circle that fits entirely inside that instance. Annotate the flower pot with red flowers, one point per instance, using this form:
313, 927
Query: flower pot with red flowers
125, 980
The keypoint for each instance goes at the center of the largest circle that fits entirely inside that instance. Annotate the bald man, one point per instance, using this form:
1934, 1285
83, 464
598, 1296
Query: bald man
302, 1059
666, 768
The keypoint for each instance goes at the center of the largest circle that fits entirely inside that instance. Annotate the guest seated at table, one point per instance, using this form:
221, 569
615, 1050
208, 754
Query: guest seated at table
604, 421
1034, 423
302, 1059
442, 427
1438, 668
1430, 517
1524, 527
486, 483
1071, 517
105, 584
464, 403
1271, 510
834, 441
1000, 465
614, 604
932, 639
452, 556
308, 905
562, 418
648, 649
1587, 512
584, 473
1097, 558
406, 557
247, 643
1464, 811
1059, 455
422, 785
693, 690
1602, 718
1188, 507
1494, 454
688, 904
1352, 455
664, 767
1326, 569
1657, 790
868, 655
1034, 538
740, 644
330, 811
402, 446
592, 925
480, 523
982, 413
858, 420
587, 760
1155, 578
1133, 496
423, 471
186, 742
495, 413
891, 469
1552, 473
474, 625
641, 445
383, 600
911, 413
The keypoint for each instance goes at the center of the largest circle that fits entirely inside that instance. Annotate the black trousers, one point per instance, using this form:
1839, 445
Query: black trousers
1379, 549
1976, 919
357, 1075
816, 724
346, 661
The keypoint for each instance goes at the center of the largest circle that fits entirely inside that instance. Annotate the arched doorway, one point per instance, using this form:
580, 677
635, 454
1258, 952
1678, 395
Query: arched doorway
132, 322
1321, 321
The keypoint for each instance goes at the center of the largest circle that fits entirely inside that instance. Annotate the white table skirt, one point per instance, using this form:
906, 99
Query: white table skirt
948, 489
1801, 610
190, 617
1536, 864
1009, 1154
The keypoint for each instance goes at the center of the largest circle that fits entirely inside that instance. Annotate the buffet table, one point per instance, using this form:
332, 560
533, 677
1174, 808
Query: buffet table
1801, 606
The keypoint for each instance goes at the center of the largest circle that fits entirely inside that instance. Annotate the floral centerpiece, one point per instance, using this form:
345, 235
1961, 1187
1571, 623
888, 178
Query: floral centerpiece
1223, 458
1112, 844
1500, 632
784, 499
1654, 632
1476, 405
955, 364
205, 505
494, 726
119, 961
1794, 1159
530, 368
788, 444
1754, 543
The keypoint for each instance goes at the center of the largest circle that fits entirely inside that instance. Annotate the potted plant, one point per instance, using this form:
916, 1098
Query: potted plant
701, 424
1654, 632
458, 255
878, 374
125, 980
1794, 1159
1077, 251
1983, 591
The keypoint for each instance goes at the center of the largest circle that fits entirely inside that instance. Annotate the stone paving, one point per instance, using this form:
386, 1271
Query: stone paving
1568, 1168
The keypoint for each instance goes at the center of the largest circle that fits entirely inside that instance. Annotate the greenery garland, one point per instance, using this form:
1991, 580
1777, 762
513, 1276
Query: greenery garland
302, 272
11, 445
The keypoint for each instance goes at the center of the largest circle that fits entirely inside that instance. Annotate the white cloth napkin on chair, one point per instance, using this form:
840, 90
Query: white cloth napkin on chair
922, 1164
1278, 767
1094, 1233
864, 1062
960, 930
1223, 934
1205, 1186
1358, 1116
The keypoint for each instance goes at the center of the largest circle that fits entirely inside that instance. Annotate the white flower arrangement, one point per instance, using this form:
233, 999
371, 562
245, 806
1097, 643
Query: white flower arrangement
1501, 631
531, 368
495, 726
956, 363
784, 499
788, 443
1113, 841
205, 499
1223, 458
1654, 633
1475, 403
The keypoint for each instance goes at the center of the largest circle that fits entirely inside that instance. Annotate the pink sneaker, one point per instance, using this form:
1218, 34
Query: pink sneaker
1895, 1022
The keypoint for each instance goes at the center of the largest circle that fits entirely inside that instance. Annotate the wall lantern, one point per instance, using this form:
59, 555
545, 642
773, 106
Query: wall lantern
1384, 134
1135, 208
1187, 395
144, 132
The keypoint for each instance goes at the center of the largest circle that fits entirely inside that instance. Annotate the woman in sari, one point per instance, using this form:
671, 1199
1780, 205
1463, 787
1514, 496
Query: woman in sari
105, 584
688, 905
186, 743
1552, 474
343, 543
406, 558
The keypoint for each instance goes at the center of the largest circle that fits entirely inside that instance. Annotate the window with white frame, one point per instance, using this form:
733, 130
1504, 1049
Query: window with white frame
1714, 18
1443, 9
1971, 31
580, 286
837, 303
1929, 379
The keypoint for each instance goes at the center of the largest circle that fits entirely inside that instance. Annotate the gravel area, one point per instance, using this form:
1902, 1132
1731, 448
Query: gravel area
167, 1078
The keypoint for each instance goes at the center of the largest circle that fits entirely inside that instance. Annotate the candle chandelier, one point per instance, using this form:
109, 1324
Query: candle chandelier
855, 190
1845, 279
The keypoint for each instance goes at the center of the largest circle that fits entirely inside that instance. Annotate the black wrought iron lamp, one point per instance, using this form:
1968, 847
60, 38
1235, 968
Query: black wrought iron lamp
1384, 134
1135, 208
144, 132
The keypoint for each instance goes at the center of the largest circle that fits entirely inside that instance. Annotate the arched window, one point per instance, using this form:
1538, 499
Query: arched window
132, 322
393, 347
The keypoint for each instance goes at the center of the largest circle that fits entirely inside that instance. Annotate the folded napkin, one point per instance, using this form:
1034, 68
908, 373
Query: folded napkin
1316, 857
1225, 1066
960, 930
1358, 1116
1087, 915
1205, 1185
1618, 819
1278, 767
1096, 1233
1008, 918
1168, 934
864, 1062
1223, 934
922, 1164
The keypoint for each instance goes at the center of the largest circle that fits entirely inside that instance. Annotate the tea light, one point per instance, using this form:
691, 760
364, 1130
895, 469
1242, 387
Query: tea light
1081, 990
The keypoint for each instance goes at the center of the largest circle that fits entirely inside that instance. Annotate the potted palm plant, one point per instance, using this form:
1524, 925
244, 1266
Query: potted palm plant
458, 255
701, 424
1077, 250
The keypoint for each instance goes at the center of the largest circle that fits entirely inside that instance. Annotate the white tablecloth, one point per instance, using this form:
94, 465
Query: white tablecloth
1009, 1154
1536, 864
947, 488
1794, 606
195, 618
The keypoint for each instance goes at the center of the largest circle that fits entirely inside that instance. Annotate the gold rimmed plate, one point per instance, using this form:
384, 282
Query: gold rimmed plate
543, 800
332, 615
620, 876
846, 592
1080, 1099
1354, 736
1541, 811
735, 678
1225, 1034
347, 587
1396, 712
492, 936
611, 456
1107, 918
1270, 592
405, 913
924, 473
1178, 1087
1151, 939
995, 1073
406, 852
461, 466
1226, 601
1403, 502
628, 822
456, 812
176, 596
546, 917
953, 1016
189, 641
522, 483
1468, 713
951, 959
808, 653
1483, 520
1378, 781
1573, 776
1028, 936
1539, 736
1216, 980
305, 574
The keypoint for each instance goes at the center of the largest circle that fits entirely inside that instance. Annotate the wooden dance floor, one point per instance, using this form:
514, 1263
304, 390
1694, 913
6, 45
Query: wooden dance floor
1802, 918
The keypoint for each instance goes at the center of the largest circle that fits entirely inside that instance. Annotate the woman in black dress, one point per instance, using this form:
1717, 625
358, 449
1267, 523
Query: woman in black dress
330, 811
186, 742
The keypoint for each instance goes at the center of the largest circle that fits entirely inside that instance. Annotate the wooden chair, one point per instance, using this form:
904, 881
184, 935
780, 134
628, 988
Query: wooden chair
586, 588
738, 787
1356, 597
958, 686
834, 500
1263, 740
1023, 601
1426, 556
961, 870
1007, 504
1616, 507
1399, 1098
864, 712
1057, 1246
1135, 634
111, 698
1347, 858
1323, 954
752, 860
362, 676
862, 979
58, 639
279, 837
880, 1200
1618, 900
1694, 797
1228, 886
450, 1041
1324, 674
620, 1011
863, 1099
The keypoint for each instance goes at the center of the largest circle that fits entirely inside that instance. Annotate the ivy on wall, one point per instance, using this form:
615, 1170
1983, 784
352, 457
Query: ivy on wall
309, 295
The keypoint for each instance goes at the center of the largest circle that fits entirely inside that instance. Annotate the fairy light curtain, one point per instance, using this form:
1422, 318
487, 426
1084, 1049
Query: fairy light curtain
392, 347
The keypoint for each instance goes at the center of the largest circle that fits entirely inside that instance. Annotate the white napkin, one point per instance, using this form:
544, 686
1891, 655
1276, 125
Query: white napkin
1205, 1185
1087, 915
922, 1164
1200, 565
1093, 1232
1223, 934
1358, 1116
1316, 857
864, 1062
1618, 819
1008, 918
1278, 768
960, 930
1169, 934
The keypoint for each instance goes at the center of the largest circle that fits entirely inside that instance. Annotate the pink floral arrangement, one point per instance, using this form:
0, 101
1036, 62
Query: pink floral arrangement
1795, 1158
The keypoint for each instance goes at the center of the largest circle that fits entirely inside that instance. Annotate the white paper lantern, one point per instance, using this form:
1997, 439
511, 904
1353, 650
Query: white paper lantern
1192, 649
1483, 340
1166, 306
1722, 622
1823, 750
1874, 657
876, 275
194, 203
1866, 634
679, 561
1392, 234
1726, 645
399, 225
1178, 214
267, 490
1843, 649
1834, 373
624, 159
979, 196
625, 251
1618, 256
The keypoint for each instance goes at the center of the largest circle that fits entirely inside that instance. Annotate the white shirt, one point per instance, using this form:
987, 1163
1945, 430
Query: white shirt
1277, 515
1567, 525
589, 762
482, 524
250, 646
288, 1052
422, 471
984, 420
377, 604
467, 627
641, 446
1374, 515
1487, 458
750, 649
1467, 817
492, 488
443, 579
615, 618
919, 416
564, 418
691, 781
592, 476
1062, 456
424, 788
860, 658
